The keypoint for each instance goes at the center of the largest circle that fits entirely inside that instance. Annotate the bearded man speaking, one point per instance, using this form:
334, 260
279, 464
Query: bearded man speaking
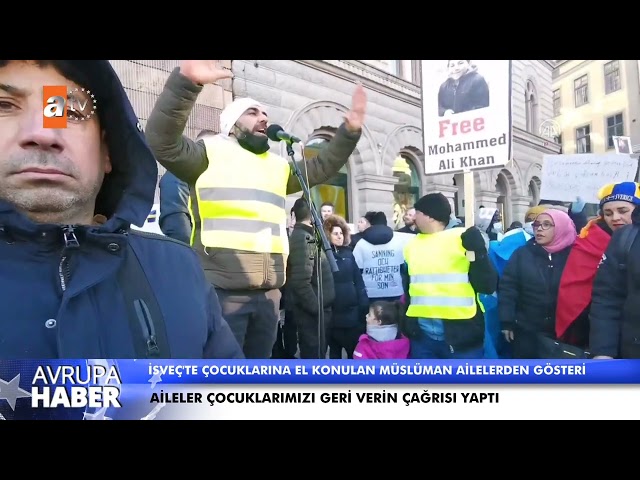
241, 189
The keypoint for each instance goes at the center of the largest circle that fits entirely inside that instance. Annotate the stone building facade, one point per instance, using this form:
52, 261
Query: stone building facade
595, 100
309, 98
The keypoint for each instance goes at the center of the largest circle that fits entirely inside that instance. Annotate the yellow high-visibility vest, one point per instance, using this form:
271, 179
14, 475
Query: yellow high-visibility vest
439, 275
241, 199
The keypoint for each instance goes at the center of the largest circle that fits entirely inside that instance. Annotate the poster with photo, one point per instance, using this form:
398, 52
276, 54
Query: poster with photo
466, 114
623, 145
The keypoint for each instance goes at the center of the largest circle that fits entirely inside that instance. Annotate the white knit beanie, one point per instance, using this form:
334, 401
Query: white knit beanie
234, 111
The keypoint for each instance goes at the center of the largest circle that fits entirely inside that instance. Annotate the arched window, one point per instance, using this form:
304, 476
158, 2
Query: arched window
534, 191
531, 107
334, 190
407, 191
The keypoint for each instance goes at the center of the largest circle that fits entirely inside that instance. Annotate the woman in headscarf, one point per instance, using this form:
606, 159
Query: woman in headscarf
574, 209
617, 203
528, 288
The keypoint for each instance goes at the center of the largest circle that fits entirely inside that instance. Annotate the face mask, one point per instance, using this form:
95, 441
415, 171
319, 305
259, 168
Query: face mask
528, 227
257, 144
497, 227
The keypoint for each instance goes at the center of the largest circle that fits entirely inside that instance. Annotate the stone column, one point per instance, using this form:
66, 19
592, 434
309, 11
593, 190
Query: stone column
449, 191
374, 193
487, 199
520, 205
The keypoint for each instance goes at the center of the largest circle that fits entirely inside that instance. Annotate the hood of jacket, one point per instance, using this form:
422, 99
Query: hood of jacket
127, 193
378, 234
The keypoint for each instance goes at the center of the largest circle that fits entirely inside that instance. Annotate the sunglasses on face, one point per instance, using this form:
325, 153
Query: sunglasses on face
542, 225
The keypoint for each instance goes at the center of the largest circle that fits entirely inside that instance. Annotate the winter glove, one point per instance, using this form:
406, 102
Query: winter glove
472, 240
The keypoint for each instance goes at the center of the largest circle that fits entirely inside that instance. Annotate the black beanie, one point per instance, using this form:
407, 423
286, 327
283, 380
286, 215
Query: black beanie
436, 206
370, 216
376, 218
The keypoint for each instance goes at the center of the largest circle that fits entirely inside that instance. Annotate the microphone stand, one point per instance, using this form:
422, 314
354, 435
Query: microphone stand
322, 243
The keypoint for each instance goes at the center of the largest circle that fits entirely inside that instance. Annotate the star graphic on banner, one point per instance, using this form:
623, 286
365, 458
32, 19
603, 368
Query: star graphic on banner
155, 379
98, 415
11, 391
153, 413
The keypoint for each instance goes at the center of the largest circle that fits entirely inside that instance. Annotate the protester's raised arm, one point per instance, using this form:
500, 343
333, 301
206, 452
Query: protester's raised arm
180, 155
337, 152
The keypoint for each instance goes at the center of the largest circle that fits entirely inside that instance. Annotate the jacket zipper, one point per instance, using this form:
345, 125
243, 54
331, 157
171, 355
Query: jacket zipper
548, 278
148, 328
70, 243
144, 316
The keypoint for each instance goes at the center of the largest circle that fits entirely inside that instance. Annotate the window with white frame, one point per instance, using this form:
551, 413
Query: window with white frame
583, 139
615, 128
612, 76
581, 90
557, 103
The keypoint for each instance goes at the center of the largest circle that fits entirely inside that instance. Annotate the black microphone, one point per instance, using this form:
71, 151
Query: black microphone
276, 134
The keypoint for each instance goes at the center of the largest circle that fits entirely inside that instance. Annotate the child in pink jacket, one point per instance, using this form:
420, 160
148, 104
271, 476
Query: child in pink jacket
383, 339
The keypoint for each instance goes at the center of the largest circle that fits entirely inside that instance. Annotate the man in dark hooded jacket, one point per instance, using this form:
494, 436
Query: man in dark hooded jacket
76, 281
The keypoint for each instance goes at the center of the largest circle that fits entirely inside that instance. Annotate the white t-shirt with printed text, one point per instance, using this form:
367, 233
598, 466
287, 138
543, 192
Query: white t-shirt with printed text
380, 265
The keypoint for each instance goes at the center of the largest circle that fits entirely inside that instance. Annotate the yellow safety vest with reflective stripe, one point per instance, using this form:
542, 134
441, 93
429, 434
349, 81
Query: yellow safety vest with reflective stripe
439, 275
241, 199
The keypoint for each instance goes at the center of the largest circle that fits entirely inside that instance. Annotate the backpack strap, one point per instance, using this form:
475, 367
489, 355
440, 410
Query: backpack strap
145, 316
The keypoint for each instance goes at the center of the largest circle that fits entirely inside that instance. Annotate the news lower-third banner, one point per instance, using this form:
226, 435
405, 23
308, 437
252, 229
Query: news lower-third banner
309, 389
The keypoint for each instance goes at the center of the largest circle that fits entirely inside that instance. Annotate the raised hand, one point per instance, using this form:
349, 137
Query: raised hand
204, 71
355, 117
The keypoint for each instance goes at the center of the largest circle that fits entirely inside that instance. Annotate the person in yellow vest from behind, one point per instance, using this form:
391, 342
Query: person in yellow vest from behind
241, 188
445, 272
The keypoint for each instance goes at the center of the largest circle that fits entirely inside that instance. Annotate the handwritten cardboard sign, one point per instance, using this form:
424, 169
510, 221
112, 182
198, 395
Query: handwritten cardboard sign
565, 177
